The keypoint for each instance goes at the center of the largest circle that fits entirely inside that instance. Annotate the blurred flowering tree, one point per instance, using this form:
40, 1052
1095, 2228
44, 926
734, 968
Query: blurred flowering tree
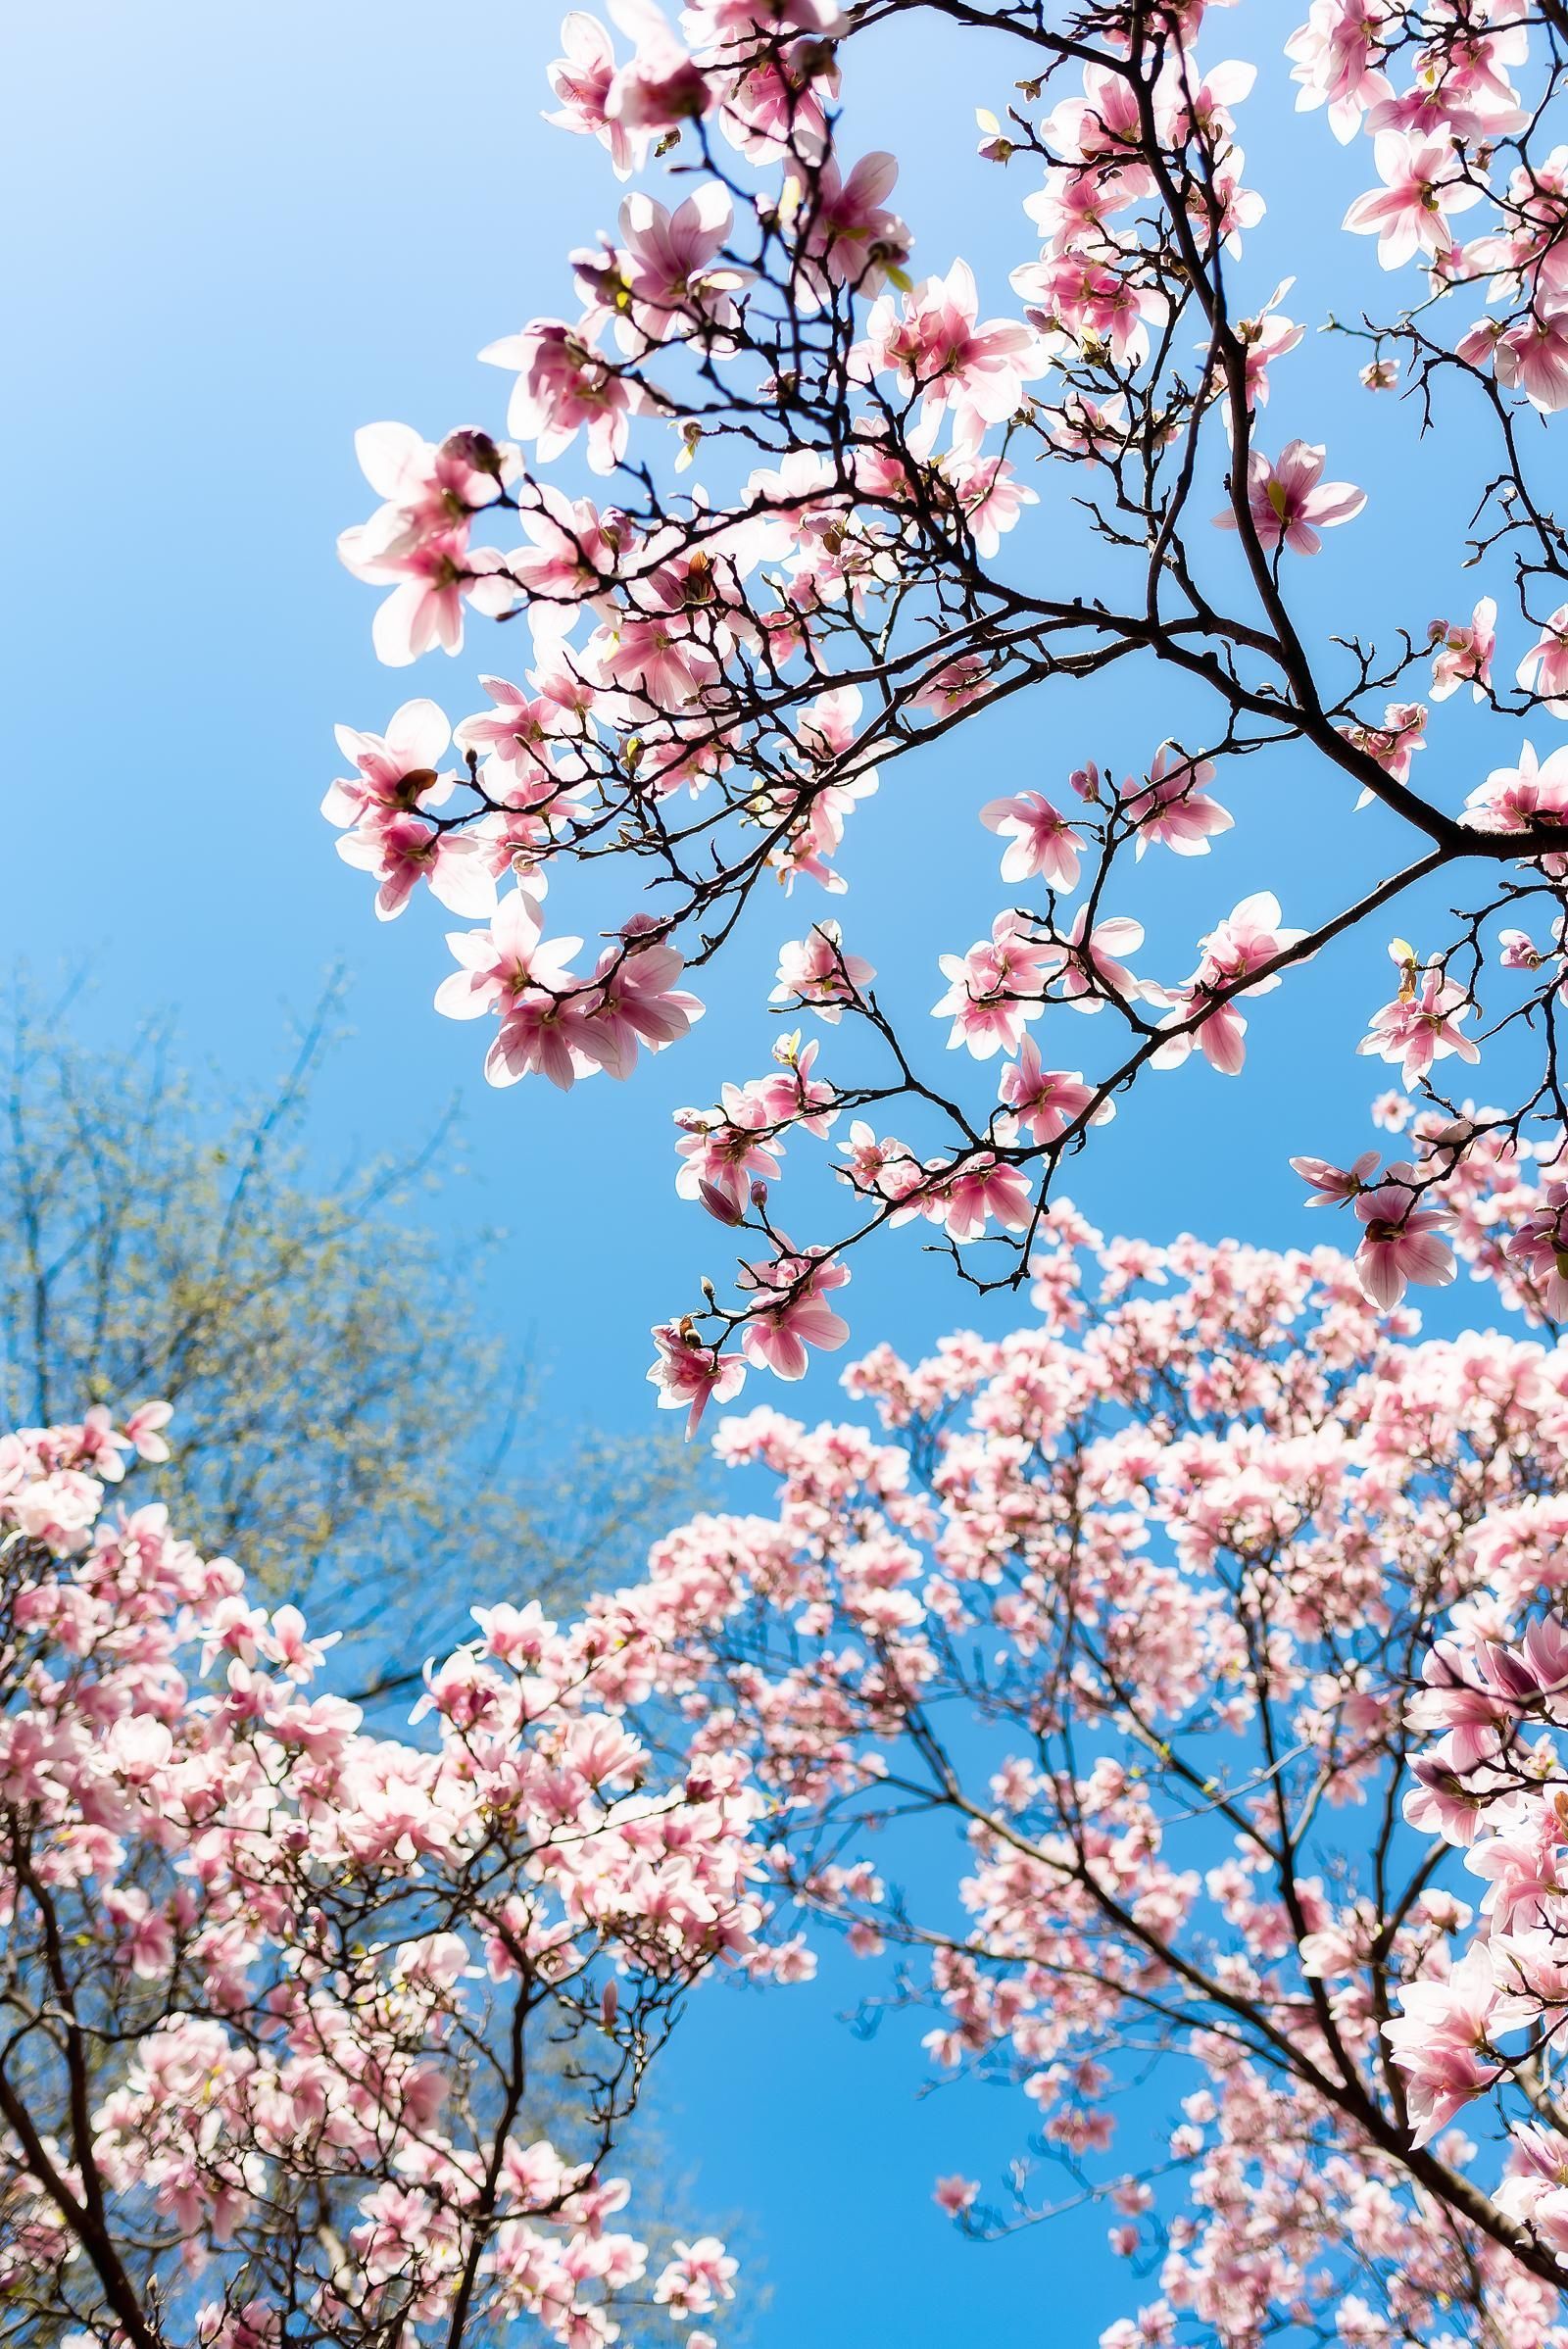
277, 1994
719, 664
316, 1344
1098, 1696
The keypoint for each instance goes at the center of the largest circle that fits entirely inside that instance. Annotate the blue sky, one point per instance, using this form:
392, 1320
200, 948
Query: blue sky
252, 229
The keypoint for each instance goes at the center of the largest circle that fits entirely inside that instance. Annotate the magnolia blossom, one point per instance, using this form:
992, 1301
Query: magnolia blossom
1288, 502
1423, 182
1042, 843
1423, 1022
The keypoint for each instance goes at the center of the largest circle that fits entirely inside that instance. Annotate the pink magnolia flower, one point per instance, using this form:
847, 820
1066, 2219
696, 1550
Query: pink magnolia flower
563, 386
978, 1190
1333, 1185
1543, 669
1046, 1102
396, 771
1462, 656
955, 2195
1172, 808
787, 1312
1265, 338
1250, 937
428, 487
1519, 950
661, 86
144, 1429
1424, 180
1532, 357
636, 1002
991, 495
1090, 970
1042, 844
935, 346
1422, 1023
1440, 2040
1516, 799
722, 1156
1288, 502
852, 235
429, 583
816, 970
498, 963
1403, 1243
402, 851
690, 1374
581, 79
1393, 745
574, 554
1444, 1801
1218, 1030
668, 266
993, 988
1540, 1248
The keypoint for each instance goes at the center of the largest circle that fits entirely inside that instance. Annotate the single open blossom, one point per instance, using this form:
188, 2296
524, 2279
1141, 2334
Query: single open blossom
1441, 2042
669, 272
954, 2194
661, 86
817, 970
852, 237
1090, 973
1331, 1184
1422, 1025
636, 1005
1046, 1102
394, 772
980, 1191
1042, 843
1172, 808
498, 963
787, 1311
430, 582
936, 348
690, 1375
1402, 1243
581, 79
1423, 182
1203, 1009
401, 852
564, 386
1289, 502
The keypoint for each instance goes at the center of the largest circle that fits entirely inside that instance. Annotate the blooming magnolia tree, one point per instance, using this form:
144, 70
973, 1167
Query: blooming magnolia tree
811, 556
273, 1989
1098, 1695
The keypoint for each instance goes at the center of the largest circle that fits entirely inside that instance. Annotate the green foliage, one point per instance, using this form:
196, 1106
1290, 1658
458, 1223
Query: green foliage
337, 1425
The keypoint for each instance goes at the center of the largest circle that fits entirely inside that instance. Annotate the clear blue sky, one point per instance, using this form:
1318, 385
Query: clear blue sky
249, 230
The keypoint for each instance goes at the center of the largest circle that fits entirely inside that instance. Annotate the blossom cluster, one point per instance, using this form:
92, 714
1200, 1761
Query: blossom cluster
1097, 1693
717, 677
278, 1991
